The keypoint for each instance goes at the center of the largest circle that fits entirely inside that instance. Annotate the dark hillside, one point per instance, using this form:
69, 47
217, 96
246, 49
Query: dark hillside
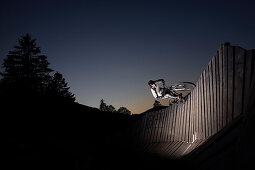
57, 134
43, 133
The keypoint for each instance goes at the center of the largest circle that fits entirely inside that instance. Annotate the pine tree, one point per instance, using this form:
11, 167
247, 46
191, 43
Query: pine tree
58, 87
106, 108
27, 73
124, 110
111, 108
103, 106
24, 65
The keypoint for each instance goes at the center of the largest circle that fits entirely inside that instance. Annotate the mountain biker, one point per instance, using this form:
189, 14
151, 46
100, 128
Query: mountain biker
161, 92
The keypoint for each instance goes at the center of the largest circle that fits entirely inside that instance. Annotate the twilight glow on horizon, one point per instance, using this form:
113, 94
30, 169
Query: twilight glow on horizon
110, 49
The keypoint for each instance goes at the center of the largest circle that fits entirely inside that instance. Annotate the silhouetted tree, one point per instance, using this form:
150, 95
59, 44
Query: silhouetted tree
58, 87
106, 108
24, 65
103, 106
110, 108
26, 72
156, 103
124, 110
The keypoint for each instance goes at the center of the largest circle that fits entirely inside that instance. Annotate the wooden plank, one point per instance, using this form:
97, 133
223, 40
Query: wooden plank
248, 79
180, 150
178, 126
141, 133
183, 122
151, 129
239, 81
225, 86
178, 119
210, 92
178, 122
186, 122
188, 119
159, 126
208, 101
162, 115
218, 92
146, 128
170, 147
205, 102
174, 149
202, 107
199, 110
230, 83
164, 128
170, 122
191, 116
167, 123
214, 82
174, 122
196, 109
220, 87
193, 113
162, 132
155, 127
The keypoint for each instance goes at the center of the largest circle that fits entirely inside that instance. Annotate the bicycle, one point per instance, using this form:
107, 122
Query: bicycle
179, 91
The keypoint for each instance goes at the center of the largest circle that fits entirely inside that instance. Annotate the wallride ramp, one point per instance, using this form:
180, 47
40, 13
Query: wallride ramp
211, 121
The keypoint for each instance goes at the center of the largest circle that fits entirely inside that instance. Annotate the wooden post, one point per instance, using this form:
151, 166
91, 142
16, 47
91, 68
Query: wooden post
239, 81
248, 78
230, 83
225, 85
214, 95
211, 101
220, 87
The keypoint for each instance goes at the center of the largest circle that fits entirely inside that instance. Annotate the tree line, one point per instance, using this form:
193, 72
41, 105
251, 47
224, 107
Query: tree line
110, 108
26, 73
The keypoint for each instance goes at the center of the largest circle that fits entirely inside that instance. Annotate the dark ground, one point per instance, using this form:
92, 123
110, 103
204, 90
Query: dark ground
40, 133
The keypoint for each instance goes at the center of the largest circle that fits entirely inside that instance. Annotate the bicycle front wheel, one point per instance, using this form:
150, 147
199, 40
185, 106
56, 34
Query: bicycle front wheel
184, 86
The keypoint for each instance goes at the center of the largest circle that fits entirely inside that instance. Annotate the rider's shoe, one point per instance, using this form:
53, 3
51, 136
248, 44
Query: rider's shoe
180, 98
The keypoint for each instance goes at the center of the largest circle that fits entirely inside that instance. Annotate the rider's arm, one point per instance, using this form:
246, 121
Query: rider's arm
154, 93
160, 81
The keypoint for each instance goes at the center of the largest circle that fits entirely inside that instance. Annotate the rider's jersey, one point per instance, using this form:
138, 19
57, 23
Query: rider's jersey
157, 91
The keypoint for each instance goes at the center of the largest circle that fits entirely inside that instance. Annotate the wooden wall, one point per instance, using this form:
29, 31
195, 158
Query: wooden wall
220, 96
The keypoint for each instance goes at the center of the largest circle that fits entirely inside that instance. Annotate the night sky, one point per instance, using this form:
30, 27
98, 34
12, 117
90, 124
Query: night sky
110, 49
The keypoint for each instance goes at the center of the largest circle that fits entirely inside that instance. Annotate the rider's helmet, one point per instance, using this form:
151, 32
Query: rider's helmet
151, 82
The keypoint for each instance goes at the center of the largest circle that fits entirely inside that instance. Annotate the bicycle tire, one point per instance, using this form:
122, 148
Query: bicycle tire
183, 86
